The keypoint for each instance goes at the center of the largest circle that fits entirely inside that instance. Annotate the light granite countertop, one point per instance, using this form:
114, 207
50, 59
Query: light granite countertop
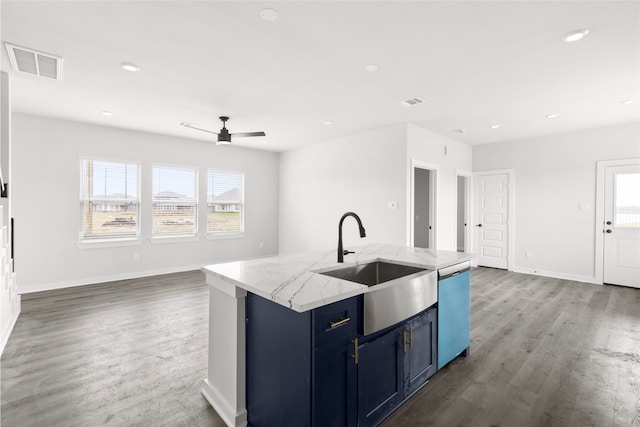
293, 281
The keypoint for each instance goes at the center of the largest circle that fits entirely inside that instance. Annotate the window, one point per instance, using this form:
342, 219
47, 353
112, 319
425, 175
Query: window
627, 200
175, 202
109, 200
225, 196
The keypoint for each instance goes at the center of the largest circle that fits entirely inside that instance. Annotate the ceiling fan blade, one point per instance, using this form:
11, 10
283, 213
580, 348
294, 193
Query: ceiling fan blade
246, 134
189, 125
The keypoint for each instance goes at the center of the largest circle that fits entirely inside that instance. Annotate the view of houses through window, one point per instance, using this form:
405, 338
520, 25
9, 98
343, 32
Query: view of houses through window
175, 202
224, 202
110, 201
109, 198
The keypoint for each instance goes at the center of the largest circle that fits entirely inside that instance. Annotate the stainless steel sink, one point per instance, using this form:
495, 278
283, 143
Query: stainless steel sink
373, 273
396, 291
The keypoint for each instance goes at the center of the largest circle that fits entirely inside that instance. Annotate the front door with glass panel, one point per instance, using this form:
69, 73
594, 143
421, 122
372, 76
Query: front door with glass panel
622, 225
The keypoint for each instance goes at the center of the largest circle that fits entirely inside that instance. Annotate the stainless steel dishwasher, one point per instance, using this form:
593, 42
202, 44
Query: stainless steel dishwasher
453, 312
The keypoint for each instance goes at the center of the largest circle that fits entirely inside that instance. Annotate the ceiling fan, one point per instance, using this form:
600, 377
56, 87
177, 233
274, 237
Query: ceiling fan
224, 136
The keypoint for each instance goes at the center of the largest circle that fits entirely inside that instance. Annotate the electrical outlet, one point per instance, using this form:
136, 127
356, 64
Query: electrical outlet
136, 256
528, 255
261, 245
392, 205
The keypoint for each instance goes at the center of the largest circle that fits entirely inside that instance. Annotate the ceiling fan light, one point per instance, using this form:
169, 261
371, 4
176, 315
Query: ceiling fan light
223, 142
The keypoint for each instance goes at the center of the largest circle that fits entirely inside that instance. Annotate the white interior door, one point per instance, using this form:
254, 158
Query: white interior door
492, 195
622, 225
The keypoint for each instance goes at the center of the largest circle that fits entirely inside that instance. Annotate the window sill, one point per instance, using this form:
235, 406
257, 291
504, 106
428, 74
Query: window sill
174, 239
223, 236
107, 243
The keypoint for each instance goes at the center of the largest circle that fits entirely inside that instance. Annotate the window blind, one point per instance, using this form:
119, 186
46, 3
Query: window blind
225, 198
175, 201
109, 200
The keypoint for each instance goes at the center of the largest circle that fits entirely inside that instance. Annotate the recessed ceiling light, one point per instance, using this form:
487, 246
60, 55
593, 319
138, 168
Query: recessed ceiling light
627, 101
495, 126
460, 130
269, 14
328, 122
371, 67
576, 35
130, 66
106, 113
552, 116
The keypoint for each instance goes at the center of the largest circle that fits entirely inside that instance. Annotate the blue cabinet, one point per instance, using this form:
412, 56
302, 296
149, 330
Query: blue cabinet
421, 356
300, 369
380, 377
278, 358
334, 381
453, 316
394, 364
317, 369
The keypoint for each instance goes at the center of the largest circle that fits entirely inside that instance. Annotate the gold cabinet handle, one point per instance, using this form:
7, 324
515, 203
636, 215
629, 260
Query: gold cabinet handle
404, 340
410, 337
355, 350
339, 322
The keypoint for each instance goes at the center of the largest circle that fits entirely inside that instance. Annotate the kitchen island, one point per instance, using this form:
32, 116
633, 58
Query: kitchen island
290, 288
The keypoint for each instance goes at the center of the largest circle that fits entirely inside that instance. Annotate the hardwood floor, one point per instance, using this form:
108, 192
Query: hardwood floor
544, 352
127, 353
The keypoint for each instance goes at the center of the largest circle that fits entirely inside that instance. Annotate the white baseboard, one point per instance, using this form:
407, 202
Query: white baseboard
103, 279
556, 275
6, 331
222, 407
39, 287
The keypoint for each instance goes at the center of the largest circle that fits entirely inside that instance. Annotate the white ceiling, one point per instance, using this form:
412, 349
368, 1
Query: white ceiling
474, 63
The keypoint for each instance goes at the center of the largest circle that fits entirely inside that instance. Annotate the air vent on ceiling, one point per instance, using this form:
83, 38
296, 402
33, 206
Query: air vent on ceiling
33, 62
412, 102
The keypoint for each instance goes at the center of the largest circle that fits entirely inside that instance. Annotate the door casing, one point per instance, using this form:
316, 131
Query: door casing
601, 166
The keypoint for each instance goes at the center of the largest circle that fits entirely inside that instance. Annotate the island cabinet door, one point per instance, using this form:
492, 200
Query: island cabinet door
335, 377
420, 359
380, 377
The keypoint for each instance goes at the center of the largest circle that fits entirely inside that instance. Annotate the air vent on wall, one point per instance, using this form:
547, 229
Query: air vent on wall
33, 62
412, 102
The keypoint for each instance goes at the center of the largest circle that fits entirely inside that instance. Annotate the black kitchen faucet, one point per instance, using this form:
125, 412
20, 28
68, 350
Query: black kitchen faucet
341, 252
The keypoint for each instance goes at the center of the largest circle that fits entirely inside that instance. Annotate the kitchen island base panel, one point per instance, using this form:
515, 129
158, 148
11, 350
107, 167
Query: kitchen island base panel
220, 405
225, 387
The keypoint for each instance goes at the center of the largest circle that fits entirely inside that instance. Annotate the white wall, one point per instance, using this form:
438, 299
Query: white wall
553, 175
427, 146
9, 298
47, 210
360, 173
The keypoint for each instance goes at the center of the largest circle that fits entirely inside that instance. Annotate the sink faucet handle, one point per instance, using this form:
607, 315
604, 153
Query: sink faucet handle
346, 252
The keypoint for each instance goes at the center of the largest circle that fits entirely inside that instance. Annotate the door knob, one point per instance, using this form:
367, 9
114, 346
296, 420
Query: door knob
479, 225
608, 230
608, 222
